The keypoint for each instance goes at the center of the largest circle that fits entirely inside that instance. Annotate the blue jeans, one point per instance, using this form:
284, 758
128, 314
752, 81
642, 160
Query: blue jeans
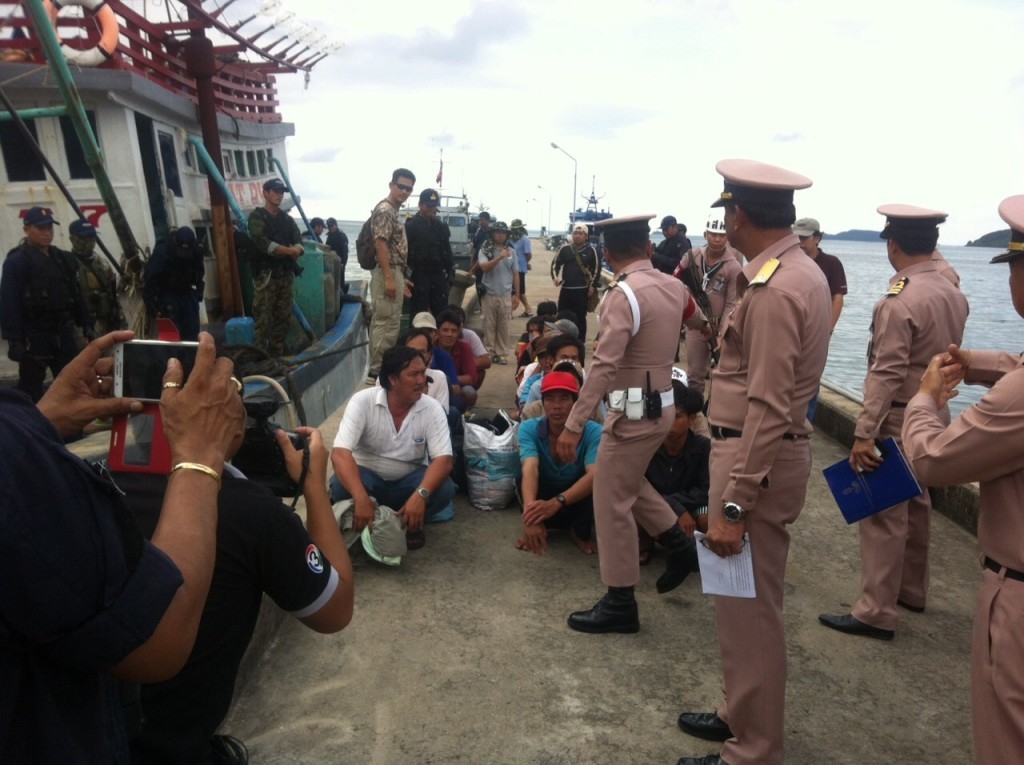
394, 493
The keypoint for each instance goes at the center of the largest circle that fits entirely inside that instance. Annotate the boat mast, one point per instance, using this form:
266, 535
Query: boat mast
202, 67
47, 36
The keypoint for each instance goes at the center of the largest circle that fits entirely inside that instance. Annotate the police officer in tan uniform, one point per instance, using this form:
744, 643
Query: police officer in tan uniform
640, 323
984, 444
774, 347
920, 315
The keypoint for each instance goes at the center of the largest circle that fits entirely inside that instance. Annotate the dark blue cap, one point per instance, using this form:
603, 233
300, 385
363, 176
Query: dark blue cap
275, 184
83, 228
39, 216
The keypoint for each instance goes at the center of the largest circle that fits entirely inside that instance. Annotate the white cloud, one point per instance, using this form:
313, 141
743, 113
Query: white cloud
877, 101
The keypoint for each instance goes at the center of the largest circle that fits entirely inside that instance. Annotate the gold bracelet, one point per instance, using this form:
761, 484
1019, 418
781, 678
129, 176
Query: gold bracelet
198, 467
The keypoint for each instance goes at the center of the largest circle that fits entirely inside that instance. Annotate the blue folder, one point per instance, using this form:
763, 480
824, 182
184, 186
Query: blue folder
862, 494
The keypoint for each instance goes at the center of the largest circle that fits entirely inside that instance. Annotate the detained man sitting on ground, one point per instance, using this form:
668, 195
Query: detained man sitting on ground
262, 547
393, 448
561, 348
449, 330
422, 339
679, 471
557, 495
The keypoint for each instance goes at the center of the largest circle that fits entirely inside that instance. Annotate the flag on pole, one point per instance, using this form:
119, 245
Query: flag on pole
440, 172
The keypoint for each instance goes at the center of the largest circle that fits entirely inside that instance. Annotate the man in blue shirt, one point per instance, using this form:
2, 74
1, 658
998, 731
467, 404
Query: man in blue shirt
524, 249
557, 495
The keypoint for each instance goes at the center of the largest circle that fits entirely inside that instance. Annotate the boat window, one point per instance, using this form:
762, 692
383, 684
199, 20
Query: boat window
455, 220
78, 167
240, 163
19, 158
261, 156
250, 159
169, 158
229, 168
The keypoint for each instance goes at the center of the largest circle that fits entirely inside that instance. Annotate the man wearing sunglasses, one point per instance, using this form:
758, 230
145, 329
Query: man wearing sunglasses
390, 271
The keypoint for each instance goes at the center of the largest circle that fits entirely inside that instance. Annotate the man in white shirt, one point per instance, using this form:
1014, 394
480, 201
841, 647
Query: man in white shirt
394, 447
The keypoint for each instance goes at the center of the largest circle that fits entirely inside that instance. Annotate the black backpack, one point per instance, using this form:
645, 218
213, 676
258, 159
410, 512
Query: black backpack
366, 247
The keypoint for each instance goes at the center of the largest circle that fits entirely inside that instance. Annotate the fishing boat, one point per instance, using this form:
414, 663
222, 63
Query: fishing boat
143, 125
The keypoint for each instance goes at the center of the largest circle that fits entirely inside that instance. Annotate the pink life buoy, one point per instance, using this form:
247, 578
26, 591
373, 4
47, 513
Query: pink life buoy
109, 31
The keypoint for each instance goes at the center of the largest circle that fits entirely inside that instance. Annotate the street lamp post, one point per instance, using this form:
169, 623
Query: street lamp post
549, 207
572, 208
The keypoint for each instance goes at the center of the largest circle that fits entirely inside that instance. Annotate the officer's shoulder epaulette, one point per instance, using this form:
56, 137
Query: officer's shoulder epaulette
766, 272
897, 288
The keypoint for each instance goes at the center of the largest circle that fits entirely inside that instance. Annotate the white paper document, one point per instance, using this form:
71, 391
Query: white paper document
733, 576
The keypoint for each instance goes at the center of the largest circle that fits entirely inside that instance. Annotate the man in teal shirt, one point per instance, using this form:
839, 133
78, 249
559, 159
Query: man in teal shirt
557, 495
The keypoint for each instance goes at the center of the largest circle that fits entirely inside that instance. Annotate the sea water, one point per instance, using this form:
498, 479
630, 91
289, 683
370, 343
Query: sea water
992, 323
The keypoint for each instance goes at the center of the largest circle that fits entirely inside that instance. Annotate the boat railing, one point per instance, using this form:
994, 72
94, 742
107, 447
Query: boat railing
243, 90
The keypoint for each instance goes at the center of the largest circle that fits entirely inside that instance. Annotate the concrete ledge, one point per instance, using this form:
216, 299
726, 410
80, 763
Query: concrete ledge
836, 417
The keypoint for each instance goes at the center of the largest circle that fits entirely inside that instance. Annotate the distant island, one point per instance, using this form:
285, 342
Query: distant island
854, 235
997, 239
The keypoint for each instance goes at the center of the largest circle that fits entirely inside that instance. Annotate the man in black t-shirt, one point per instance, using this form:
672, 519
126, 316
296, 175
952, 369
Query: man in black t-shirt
262, 547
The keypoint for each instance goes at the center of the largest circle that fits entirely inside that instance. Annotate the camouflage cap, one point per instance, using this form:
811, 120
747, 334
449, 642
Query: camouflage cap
499, 226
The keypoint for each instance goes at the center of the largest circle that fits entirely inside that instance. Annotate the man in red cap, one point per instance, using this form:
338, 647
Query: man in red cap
983, 444
557, 495
41, 304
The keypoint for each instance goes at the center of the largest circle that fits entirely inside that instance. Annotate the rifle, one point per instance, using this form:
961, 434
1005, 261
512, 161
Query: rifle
696, 285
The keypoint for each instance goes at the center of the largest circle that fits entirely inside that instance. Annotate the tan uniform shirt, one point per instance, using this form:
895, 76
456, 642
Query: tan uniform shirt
623, 360
910, 324
986, 444
946, 269
720, 288
774, 347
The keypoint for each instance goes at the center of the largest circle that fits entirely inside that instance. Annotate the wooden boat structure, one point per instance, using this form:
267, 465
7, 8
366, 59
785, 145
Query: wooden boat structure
142, 126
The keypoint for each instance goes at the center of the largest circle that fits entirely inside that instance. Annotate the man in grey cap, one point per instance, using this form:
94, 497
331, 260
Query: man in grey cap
774, 346
809, 231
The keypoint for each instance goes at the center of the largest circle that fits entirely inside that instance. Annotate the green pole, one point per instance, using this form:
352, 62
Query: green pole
93, 156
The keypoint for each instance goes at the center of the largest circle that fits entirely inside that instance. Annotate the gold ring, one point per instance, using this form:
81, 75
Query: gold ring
172, 385
238, 384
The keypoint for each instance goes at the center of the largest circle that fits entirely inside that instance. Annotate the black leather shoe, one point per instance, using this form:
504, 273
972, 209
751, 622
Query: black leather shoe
706, 725
682, 559
906, 605
711, 759
851, 625
607, 616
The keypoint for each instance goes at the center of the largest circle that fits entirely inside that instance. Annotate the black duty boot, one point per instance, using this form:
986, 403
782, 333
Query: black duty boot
615, 612
682, 558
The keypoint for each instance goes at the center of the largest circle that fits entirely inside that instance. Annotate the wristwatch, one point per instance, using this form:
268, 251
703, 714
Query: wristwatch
423, 493
733, 513
561, 499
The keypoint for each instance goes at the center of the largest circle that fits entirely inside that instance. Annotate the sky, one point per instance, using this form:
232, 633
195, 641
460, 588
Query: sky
877, 101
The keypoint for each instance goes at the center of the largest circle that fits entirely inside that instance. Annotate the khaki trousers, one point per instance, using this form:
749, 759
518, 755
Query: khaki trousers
622, 496
751, 632
997, 672
496, 310
387, 316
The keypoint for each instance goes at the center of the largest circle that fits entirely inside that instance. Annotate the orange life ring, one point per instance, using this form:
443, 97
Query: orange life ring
109, 31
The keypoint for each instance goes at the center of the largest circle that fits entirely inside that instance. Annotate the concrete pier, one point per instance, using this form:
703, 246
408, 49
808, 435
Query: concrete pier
462, 653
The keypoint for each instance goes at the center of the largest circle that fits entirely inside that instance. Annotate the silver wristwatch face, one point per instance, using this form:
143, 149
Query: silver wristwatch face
423, 493
733, 513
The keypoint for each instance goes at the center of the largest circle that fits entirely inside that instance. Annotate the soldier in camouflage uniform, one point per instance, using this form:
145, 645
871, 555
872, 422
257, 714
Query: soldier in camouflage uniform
389, 273
96, 279
276, 237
